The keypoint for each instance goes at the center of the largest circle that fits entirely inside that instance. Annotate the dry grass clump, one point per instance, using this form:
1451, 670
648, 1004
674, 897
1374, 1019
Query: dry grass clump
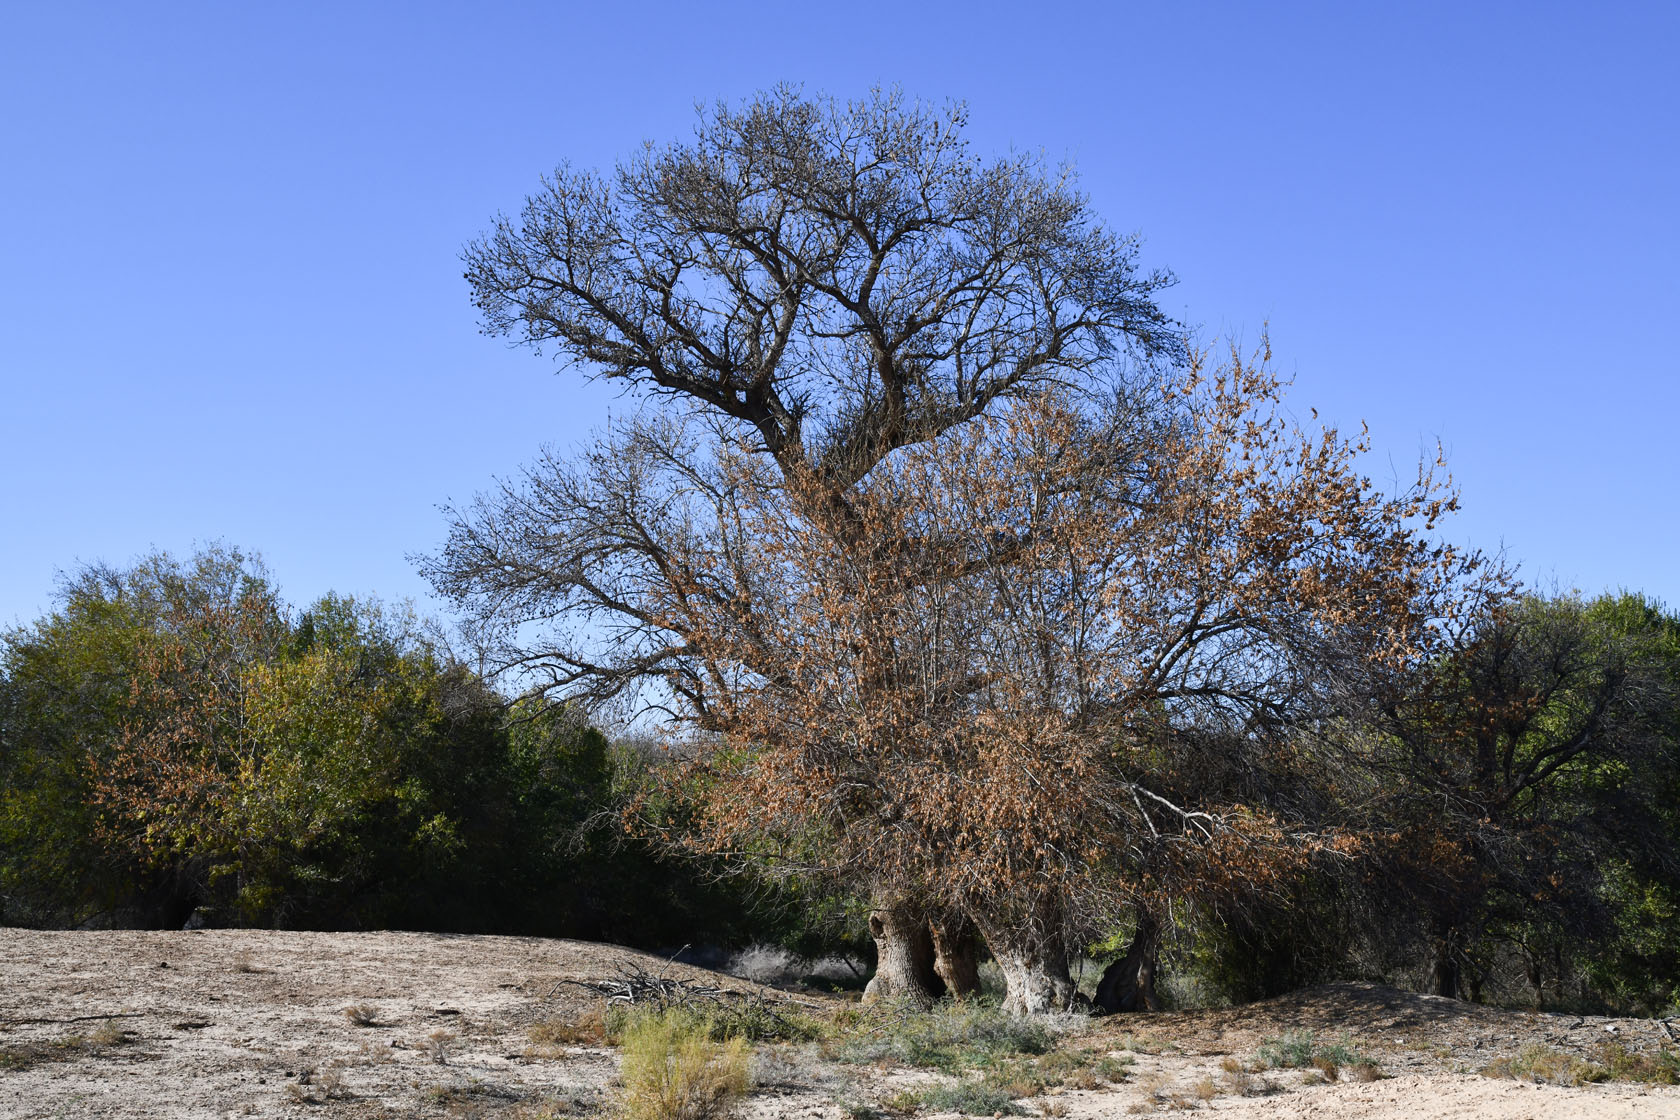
437, 1045
101, 1042
550, 1037
1615, 1062
951, 1037
1543, 1064
568, 1105
673, 1070
362, 1015
319, 1085
970, 1098
1660, 1068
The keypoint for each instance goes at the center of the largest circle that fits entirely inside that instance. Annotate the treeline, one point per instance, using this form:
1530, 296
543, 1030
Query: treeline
179, 744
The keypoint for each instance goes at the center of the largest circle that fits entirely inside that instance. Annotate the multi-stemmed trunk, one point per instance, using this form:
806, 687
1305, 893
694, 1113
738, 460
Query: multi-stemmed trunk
904, 956
1129, 983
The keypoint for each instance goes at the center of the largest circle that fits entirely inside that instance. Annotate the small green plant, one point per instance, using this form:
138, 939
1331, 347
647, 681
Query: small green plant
1299, 1050
673, 1070
1290, 1050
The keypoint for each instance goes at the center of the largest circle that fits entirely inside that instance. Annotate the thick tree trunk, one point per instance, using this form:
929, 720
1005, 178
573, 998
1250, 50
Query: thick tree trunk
1129, 983
1444, 974
904, 957
1034, 961
956, 956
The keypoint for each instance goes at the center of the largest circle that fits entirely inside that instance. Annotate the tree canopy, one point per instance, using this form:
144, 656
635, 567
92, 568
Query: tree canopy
932, 525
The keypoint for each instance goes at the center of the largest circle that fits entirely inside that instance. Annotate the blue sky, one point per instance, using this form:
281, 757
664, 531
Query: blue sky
231, 305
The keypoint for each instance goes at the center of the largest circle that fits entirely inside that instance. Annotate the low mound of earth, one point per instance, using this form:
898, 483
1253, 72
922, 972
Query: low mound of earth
226, 1023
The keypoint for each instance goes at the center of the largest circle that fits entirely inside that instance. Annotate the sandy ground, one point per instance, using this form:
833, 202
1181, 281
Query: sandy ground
225, 1023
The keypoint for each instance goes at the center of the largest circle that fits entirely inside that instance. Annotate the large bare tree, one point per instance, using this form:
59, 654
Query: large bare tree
820, 283
930, 532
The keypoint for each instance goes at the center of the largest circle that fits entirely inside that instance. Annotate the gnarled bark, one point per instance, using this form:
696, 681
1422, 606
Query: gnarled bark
956, 955
904, 957
1034, 960
1129, 983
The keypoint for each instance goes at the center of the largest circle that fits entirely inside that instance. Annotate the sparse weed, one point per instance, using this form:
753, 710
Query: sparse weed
108, 1035
1290, 1050
1661, 1068
437, 1045
1238, 1080
971, 1098
106, 1038
1543, 1064
1205, 1089
549, 1037
856, 1109
319, 1085
952, 1037
567, 1105
362, 1015
673, 1070
755, 1019
1299, 1050
473, 1100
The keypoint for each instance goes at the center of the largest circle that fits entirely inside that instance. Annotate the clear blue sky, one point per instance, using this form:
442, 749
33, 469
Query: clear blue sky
231, 305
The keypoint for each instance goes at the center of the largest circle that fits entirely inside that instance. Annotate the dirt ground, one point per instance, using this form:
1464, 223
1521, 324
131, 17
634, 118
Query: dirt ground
222, 1023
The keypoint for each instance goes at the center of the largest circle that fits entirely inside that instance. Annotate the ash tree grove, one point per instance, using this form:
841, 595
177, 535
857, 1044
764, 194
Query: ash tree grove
932, 534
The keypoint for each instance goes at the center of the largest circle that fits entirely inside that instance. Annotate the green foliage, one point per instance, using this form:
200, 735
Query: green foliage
174, 738
1299, 1049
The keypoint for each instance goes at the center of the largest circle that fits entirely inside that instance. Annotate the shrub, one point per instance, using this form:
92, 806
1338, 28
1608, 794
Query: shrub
1290, 1050
1298, 1050
1541, 1063
952, 1037
972, 1098
673, 1070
